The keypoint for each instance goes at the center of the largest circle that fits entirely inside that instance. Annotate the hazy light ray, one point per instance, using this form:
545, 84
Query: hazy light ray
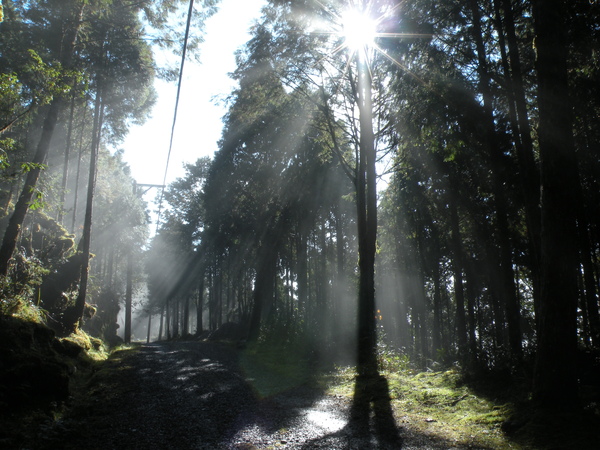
407, 70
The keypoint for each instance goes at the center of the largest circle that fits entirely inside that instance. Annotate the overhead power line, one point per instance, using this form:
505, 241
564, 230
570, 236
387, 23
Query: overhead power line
185, 41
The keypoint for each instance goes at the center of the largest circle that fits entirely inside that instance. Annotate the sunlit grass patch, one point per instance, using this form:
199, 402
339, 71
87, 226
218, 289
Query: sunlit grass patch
339, 382
95, 349
435, 403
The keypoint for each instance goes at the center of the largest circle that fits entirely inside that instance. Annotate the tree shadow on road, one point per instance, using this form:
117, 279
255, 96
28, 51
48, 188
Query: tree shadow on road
371, 423
372, 420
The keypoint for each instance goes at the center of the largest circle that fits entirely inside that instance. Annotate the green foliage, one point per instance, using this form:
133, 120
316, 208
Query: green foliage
390, 360
48, 81
19, 289
10, 93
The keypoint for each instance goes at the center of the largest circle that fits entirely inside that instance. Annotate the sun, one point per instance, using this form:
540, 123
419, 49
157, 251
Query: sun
359, 30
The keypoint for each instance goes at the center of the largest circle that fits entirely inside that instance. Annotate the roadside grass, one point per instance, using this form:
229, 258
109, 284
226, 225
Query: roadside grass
486, 413
437, 404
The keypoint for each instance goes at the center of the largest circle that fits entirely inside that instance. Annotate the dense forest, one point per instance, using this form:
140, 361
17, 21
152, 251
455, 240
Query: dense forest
431, 189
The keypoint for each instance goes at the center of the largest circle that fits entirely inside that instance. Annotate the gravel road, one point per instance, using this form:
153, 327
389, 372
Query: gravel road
195, 395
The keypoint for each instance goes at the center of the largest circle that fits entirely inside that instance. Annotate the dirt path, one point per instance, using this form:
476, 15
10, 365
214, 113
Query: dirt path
194, 395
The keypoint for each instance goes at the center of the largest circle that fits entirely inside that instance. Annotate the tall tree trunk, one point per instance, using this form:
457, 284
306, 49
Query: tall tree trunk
263, 289
186, 316
149, 327
471, 319
78, 174
63, 185
530, 177
168, 319
366, 201
590, 294
200, 306
555, 380
175, 318
506, 282
302, 269
437, 309
162, 321
128, 297
86, 238
459, 296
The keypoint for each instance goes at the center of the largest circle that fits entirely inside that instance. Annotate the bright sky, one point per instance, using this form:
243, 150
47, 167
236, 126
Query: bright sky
199, 117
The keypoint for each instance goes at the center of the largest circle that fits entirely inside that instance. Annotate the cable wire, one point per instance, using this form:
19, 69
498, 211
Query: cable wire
185, 41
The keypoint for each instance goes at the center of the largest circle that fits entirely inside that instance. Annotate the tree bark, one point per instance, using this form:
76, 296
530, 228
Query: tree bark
263, 290
86, 239
200, 306
506, 283
63, 185
367, 225
128, 297
149, 327
555, 380
459, 295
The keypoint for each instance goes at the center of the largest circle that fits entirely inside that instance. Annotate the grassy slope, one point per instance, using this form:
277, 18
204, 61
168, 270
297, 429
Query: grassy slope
491, 416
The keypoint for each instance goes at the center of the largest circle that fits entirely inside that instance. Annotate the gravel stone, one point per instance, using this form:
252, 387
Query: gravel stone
193, 395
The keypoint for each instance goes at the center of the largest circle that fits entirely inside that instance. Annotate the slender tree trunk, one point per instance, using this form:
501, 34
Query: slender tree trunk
367, 225
590, 291
78, 174
128, 297
471, 319
87, 225
302, 269
555, 380
200, 306
506, 282
263, 290
437, 309
168, 319
160, 325
149, 327
340, 282
63, 186
530, 177
459, 296
176, 318
186, 316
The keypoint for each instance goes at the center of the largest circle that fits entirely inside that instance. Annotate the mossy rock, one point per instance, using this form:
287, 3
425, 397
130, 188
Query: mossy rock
31, 371
68, 348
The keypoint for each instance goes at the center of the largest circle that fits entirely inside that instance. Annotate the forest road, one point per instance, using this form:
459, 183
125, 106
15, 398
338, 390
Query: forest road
199, 395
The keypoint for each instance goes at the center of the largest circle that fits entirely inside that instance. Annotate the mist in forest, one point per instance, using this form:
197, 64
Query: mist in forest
430, 193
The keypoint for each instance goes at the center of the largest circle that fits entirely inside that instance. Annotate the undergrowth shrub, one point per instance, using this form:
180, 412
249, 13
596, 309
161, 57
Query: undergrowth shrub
19, 290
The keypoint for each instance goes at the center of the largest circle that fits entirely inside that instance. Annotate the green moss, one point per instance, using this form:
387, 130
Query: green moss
436, 403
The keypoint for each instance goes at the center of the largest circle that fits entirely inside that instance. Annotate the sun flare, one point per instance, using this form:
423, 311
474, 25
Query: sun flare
358, 29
